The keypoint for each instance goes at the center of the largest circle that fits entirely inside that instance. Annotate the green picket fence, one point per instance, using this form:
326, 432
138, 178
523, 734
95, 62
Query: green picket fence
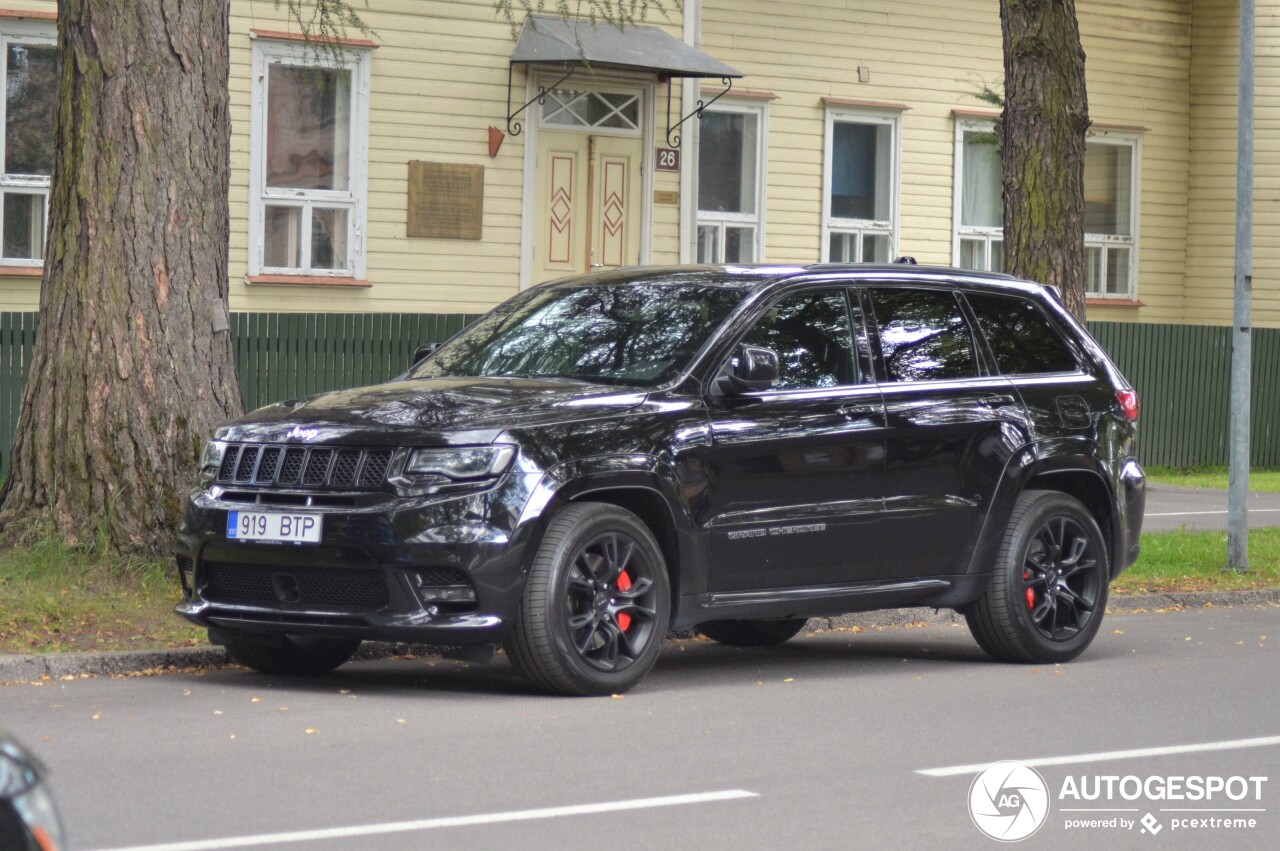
1181, 372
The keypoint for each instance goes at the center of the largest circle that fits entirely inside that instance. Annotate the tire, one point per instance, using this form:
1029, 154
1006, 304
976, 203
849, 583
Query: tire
290, 655
596, 604
1048, 591
752, 633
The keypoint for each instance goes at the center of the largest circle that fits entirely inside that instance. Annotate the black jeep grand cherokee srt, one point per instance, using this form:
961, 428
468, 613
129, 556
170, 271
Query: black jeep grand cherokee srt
604, 458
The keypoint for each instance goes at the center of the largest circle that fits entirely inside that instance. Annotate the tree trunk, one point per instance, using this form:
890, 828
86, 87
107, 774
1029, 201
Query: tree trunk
133, 366
1042, 143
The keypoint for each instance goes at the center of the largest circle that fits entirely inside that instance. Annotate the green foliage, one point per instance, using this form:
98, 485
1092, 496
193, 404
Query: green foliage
325, 20
617, 12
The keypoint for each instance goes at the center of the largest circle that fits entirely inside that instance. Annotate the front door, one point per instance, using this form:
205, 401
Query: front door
796, 472
589, 184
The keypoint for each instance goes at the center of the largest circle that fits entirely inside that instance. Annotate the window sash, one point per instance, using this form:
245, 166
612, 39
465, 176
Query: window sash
292, 229
1110, 259
846, 239
31, 186
719, 231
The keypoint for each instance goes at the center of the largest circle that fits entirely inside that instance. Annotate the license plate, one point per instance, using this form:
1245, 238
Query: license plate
274, 526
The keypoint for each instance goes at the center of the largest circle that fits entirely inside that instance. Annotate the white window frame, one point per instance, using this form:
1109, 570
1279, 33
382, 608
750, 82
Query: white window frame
355, 200
1102, 242
1105, 242
756, 220
860, 228
21, 32
986, 235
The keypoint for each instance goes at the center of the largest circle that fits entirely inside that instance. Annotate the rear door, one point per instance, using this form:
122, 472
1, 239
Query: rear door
795, 472
951, 426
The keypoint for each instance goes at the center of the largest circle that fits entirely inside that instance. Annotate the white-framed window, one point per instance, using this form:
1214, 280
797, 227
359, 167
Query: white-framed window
309, 177
1112, 162
979, 212
29, 53
860, 186
1111, 179
731, 181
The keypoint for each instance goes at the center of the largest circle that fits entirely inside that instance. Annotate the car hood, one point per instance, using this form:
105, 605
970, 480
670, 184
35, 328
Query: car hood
438, 410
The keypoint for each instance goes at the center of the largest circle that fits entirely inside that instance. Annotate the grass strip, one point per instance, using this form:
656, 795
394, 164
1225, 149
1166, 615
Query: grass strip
1260, 479
1197, 561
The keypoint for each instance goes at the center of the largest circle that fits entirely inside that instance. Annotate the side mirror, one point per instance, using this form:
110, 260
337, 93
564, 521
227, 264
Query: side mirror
750, 368
423, 352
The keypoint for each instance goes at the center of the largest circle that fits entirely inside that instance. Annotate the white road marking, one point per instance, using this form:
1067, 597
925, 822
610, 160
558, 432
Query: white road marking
1105, 756
452, 821
1196, 513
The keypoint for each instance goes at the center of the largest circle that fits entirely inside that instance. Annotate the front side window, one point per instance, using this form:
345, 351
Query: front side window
636, 334
861, 184
923, 335
310, 144
30, 70
730, 185
811, 334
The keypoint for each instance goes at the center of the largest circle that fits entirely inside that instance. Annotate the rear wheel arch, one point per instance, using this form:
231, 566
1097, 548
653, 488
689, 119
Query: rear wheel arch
1089, 489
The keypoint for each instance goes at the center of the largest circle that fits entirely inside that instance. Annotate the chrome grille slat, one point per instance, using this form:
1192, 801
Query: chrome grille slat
302, 467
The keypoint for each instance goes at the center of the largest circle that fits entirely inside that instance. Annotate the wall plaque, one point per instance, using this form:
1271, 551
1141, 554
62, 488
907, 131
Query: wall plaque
446, 200
662, 196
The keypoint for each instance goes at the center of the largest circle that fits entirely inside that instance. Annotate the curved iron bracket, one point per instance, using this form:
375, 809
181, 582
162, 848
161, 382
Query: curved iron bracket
514, 128
673, 138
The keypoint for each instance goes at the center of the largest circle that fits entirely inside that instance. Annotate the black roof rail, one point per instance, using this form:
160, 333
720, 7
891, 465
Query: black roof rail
909, 261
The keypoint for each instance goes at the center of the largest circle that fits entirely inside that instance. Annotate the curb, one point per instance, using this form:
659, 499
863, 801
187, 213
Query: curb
54, 666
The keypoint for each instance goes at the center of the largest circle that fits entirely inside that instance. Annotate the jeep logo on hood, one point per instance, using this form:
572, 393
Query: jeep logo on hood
300, 433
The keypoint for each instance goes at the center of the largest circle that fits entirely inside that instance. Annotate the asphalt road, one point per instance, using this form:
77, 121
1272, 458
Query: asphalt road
1170, 507
816, 744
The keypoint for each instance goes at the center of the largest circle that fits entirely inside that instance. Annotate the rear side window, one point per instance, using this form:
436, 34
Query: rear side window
923, 335
1021, 337
811, 334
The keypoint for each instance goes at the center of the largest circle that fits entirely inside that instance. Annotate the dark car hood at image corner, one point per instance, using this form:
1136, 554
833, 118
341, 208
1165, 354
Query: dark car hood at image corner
447, 410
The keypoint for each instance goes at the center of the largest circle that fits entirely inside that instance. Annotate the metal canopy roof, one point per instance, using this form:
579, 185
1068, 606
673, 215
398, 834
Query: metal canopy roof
552, 39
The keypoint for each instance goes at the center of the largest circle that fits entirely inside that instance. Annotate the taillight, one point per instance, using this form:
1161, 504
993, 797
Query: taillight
1128, 400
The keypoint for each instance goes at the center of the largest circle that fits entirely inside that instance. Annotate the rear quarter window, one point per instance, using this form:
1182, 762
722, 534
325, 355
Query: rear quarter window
1021, 337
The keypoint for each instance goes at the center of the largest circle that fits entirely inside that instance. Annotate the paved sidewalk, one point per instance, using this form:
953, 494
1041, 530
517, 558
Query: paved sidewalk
34, 667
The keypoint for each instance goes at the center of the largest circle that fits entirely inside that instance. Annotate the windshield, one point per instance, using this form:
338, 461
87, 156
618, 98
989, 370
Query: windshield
635, 334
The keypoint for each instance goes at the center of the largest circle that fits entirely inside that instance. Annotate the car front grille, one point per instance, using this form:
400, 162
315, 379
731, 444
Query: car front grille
304, 466
340, 589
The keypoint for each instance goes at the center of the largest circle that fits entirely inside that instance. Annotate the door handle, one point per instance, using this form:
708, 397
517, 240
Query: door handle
851, 411
997, 399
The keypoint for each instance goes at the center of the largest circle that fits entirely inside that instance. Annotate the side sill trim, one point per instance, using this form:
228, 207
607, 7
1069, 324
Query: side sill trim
819, 592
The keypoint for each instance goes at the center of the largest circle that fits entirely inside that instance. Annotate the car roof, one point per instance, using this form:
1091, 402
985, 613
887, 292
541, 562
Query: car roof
751, 277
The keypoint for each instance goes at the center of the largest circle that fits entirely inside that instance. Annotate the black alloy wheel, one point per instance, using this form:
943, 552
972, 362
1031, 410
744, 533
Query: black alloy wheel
596, 604
1048, 591
1060, 580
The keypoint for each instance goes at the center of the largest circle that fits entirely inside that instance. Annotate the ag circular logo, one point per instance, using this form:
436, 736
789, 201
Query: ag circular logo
1009, 801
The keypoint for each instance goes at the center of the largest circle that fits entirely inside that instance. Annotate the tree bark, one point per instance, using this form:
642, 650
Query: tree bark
1042, 145
133, 366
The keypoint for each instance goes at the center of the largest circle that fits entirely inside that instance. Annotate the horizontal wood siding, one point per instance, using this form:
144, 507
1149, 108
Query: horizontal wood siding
934, 56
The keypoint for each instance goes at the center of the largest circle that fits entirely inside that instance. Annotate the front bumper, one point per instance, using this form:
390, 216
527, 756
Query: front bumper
374, 575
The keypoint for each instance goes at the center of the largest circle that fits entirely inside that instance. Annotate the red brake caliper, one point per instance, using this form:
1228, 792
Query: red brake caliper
624, 584
1031, 594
